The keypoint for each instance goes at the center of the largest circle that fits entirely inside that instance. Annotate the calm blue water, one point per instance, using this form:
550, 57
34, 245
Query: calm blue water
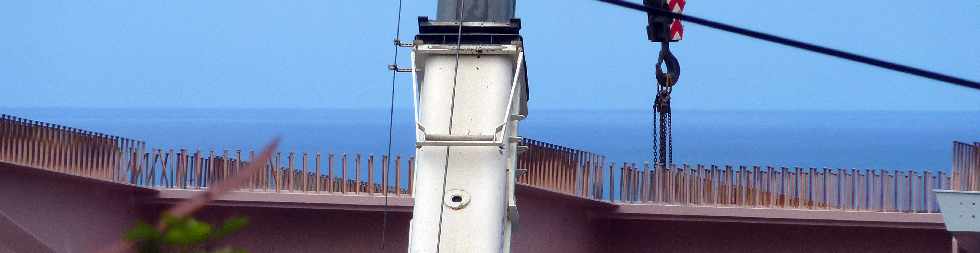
893, 140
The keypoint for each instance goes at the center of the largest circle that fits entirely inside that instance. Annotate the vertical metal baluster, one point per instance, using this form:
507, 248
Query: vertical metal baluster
611, 182
370, 174
306, 178
357, 174
384, 174
290, 173
316, 164
276, 173
398, 175
343, 174
411, 175
330, 176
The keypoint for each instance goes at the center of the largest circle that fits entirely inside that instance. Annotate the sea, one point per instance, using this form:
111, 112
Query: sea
904, 140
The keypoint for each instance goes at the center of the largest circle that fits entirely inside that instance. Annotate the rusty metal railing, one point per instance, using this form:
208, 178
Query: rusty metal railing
64, 149
574, 172
966, 166
95, 155
561, 169
771, 187
585, 174
292, 172
543, 165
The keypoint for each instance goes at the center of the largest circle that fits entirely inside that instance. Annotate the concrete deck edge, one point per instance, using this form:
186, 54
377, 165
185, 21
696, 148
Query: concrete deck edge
561, 195
622, 211
297, 200
778, 216
26, 169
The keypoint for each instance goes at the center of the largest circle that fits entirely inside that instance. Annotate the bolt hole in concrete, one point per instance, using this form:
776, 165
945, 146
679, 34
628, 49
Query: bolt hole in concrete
457, 199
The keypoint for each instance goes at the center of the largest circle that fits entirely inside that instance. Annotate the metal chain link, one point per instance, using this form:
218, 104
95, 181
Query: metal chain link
663, 149
663, 146
656, 138
670, 140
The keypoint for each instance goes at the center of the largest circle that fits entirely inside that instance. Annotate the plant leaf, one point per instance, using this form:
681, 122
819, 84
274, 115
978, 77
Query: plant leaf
230, 226
142, 232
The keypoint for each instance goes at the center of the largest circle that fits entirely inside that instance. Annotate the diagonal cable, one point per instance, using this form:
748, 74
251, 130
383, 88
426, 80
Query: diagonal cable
802, 45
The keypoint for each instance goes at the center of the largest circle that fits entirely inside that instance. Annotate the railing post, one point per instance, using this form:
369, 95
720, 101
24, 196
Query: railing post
199, 167
824, 188
411, 175
384, 174
343, 174
277, 172
771, 187
212, 171
289, 174
622, 182
330, 177
316, 165
756, 187
637, 182
357, 174
305, 178
645, 182
398, 175
370, 174
611, 182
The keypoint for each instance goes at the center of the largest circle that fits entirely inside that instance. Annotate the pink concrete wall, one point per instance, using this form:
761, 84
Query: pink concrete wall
673, 236
66, 213
305, 230
73, 215
550, 224
553, 223
547, 225
4, 249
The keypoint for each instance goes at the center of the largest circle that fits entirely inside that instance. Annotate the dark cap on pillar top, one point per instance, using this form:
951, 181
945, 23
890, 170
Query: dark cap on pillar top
501, 11
483, 22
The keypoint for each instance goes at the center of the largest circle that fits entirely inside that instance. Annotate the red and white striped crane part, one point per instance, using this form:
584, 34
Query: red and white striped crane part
676, 29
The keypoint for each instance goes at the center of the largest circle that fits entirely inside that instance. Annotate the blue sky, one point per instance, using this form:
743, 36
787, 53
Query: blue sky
581, 54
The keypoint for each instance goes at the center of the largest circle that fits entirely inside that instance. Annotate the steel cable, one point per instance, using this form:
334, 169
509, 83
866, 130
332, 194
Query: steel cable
391, 119
802, 45
452, 107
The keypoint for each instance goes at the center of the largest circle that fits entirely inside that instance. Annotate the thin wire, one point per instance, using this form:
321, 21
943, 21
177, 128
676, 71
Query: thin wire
802, 45
391, 119
452, 107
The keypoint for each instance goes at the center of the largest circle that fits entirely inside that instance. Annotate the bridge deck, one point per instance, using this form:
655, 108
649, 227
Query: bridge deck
607, 210
779, 216
811, 196
299, 200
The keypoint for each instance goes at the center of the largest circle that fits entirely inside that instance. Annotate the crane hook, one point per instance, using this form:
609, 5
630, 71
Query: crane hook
669, 78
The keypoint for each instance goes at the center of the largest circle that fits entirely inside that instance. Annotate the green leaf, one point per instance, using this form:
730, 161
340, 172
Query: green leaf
186, 232
175, 235
197, 230
142, 232
231, 225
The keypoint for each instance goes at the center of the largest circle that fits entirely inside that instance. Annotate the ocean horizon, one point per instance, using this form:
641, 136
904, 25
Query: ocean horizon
903, 140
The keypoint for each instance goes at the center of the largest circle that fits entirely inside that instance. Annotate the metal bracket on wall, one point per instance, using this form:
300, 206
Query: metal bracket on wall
961, 210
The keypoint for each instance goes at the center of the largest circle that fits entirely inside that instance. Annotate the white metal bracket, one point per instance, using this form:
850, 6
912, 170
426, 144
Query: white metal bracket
502, 133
